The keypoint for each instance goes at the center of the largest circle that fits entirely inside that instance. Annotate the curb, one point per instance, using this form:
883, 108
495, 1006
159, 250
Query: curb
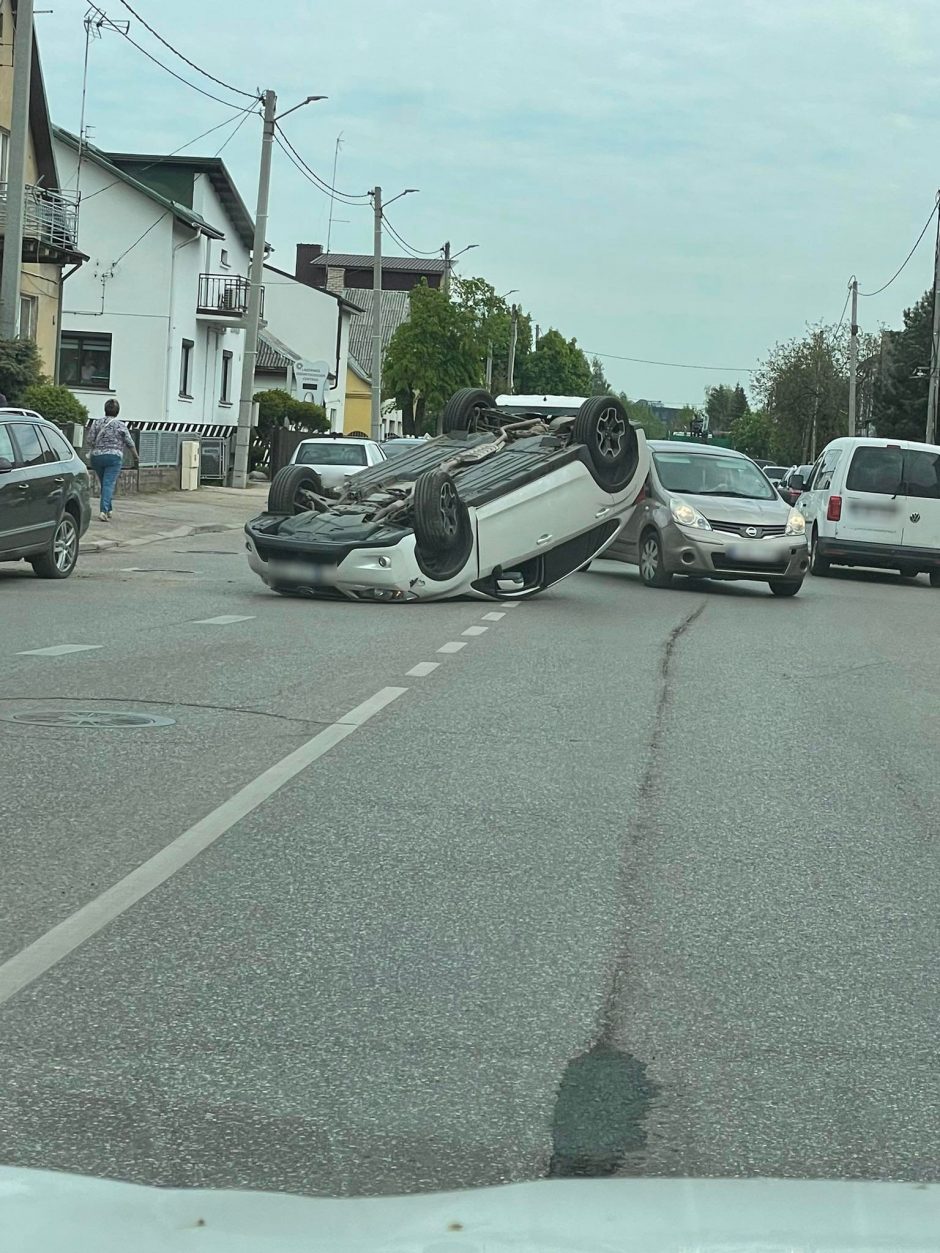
181, 532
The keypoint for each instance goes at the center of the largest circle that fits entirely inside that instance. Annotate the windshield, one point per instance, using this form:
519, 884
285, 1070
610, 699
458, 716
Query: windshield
890, 471
330, 454
710, 474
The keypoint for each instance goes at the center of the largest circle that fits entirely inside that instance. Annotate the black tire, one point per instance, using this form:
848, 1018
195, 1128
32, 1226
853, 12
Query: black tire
935, 578
652, 571
788, 588
443, 534
908, 573
289, 488
465, 410
817, 565
61, 556
603, 427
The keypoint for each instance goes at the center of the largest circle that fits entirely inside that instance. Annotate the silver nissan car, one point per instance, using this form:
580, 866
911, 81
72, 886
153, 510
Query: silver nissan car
710, 513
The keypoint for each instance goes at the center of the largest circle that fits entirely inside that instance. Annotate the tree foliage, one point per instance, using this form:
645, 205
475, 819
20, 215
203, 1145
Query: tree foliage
556, 367
753, 433
899, 401
599, 383
724, 405
638, 411
803, 386
20, 368
277, 407
55, 403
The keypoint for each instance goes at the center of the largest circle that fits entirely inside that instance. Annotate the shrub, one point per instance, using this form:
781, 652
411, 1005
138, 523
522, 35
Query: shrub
20, 368
56, 403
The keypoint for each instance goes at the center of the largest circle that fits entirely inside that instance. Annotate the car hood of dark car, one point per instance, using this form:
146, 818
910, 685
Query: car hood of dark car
736, 509
42, 1211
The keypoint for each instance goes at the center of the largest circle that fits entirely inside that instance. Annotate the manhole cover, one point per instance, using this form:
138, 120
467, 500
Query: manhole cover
110, 719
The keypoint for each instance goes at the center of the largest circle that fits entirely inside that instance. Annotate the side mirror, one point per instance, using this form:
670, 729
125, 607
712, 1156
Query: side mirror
797, 483
5, 465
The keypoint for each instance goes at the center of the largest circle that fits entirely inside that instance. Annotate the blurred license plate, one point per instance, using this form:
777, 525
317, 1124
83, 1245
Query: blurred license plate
758, 552
298, 572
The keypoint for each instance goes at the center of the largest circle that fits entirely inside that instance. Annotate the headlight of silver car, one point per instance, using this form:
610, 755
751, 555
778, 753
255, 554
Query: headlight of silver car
796, 523
687, 515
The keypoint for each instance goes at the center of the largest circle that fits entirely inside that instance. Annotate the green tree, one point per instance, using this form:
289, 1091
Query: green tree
753, 433
803, 386
724, 404
55, 403
557, 367
278, 408
599, 384
739, 405
20, 368
429, 357
492, 318
899, 400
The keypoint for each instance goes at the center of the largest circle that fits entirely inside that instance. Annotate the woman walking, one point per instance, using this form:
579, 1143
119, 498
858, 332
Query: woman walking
106, 438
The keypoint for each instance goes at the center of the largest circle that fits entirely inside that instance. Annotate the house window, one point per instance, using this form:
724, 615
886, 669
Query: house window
225, 394
223, 258
186, 369
85, 360
29, 315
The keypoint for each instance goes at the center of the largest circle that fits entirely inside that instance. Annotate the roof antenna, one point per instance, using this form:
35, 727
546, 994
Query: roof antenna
329, 229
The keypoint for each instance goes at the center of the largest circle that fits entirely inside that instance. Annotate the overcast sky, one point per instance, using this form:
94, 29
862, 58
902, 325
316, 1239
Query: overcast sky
682, 180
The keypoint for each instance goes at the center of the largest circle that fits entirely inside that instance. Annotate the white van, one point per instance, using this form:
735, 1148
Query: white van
874, 502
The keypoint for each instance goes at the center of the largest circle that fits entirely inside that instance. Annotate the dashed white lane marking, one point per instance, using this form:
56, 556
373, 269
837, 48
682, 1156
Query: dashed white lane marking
475, 630
493, 617
46, 952
453, 647
58, 650
423, 669
511, 604
224, 619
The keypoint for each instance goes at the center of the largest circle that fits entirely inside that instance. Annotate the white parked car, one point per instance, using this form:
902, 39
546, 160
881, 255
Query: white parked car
504, 504
874, 502
333, 458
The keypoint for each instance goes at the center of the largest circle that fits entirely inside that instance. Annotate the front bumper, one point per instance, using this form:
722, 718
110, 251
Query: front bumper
850, 552
722, 555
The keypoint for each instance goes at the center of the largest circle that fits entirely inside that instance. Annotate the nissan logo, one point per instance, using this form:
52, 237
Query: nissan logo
751, 532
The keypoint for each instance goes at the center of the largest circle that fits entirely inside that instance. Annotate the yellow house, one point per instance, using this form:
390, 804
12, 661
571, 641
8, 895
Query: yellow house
50, 219
357, 411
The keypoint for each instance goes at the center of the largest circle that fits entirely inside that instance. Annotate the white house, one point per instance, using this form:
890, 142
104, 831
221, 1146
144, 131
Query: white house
154, 316
306, 337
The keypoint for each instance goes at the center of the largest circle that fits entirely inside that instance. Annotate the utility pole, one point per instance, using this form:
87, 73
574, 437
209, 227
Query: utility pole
16, 173
446, 280
513, 338
255, 281
931, 434
853, 357
489, 366
376, 423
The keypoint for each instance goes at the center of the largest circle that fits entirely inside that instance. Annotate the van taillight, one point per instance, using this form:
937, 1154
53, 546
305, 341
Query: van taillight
834, 512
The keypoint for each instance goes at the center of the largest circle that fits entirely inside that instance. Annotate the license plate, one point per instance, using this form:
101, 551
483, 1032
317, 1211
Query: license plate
757, 553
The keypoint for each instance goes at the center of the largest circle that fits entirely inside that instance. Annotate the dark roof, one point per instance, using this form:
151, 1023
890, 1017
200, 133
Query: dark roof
274, 356
395, 309
218, 176
363, 261
179, 211
346, 304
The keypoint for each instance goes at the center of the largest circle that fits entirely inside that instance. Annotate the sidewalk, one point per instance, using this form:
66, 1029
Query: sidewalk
143, 519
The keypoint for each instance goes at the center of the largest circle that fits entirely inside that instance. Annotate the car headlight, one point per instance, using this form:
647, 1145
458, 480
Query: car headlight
796, 523
687, 515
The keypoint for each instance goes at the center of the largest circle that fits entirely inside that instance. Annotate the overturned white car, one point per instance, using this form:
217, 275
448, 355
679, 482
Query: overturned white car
509, 500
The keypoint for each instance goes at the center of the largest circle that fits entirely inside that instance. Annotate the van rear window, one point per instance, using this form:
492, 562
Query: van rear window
922, 473
877, 470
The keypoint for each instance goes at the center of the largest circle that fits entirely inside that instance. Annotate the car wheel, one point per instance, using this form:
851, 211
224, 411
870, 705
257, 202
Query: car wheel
788, 588
466, 410
59, 559
290, 489
443, 534
603, 427
652, 571
818, 565
908, 572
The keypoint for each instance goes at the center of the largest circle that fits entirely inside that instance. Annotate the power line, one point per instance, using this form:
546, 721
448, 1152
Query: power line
152, 225
879, 290
676, 365
415, 252
356, 204
240, 113
192, 64
225, 143
172, 73
348, 197
846, 305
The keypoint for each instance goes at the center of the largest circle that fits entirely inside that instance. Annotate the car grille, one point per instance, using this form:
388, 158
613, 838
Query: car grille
740, 528
301, 556
722, 562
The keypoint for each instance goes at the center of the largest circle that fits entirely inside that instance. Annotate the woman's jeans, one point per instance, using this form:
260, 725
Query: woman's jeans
107, 466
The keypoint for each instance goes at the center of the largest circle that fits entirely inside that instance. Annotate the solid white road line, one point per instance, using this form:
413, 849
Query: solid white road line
493, 617
63, 939
224, 619
475, 630
422, 669
453, 647
59, 650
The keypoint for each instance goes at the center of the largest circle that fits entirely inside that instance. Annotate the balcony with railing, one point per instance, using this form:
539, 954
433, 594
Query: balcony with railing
224, 296
50, 222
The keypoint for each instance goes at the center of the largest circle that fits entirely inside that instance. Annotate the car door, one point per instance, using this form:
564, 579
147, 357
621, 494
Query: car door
809, 501
921, 527
42, 488
626, 547
14, 489
871, 500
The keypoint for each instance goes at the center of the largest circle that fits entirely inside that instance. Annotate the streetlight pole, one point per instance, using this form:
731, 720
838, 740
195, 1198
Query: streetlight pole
931, 433
853, 357
255, 288
375, 416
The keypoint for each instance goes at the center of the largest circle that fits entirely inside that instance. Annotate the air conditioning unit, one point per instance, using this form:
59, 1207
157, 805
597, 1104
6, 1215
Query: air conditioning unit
232, 297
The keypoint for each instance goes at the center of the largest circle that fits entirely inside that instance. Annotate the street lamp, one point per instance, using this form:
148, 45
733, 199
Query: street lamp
375, 417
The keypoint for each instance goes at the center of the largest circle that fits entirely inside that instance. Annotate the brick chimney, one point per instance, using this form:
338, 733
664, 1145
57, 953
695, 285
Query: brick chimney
335, 279
304, 270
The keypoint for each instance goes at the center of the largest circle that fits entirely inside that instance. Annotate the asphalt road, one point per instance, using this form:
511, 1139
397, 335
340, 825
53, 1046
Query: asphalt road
634, 881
